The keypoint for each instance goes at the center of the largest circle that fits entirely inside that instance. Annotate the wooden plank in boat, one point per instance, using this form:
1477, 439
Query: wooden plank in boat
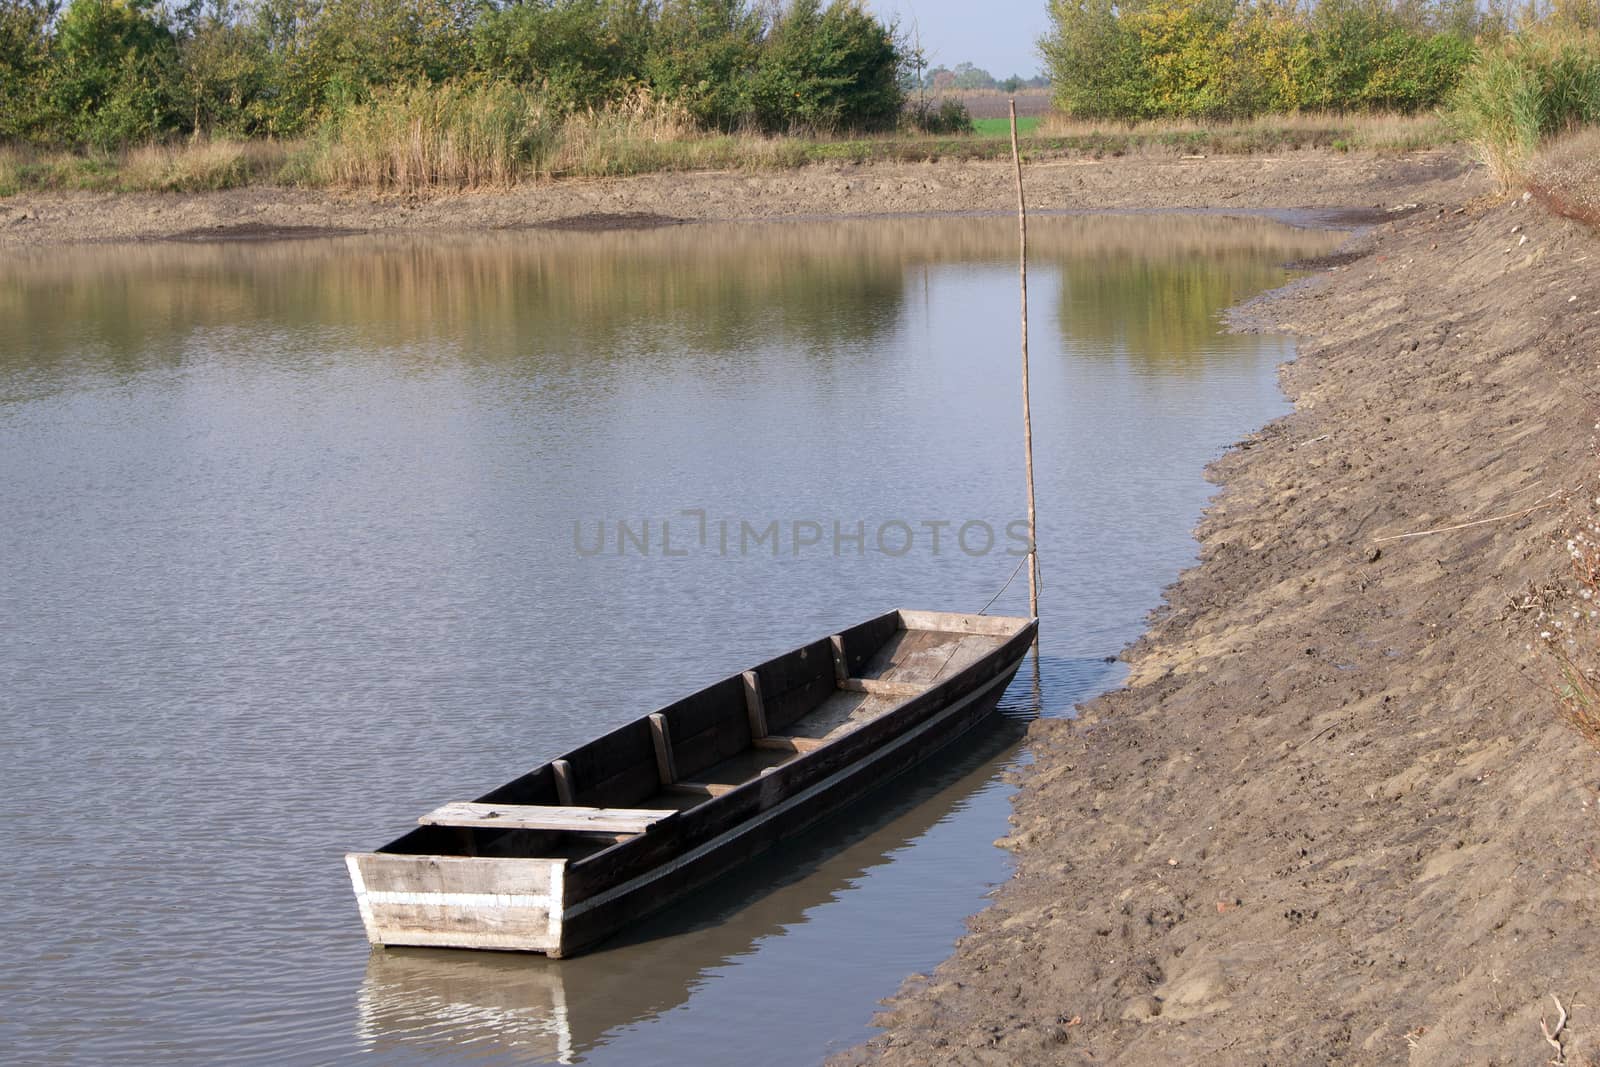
491, 924
661, 734
794, 683
564, 787
385, 872
536, 817
969, 650
983, 625
841, 707
754, 709
914, 656
879, 688
841, 663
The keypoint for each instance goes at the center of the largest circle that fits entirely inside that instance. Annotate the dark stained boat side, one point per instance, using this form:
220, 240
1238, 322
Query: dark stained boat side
563, 856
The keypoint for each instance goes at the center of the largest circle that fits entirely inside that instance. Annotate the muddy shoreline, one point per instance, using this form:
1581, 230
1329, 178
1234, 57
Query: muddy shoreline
1334, 816
1311, 179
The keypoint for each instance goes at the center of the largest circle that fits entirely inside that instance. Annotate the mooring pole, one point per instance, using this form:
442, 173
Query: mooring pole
1027, 410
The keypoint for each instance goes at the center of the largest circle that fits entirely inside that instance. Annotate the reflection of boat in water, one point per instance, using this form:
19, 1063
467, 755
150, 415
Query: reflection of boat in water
592, 841
528, 1008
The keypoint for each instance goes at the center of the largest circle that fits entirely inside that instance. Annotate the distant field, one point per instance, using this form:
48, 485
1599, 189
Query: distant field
993, 104
1002, 127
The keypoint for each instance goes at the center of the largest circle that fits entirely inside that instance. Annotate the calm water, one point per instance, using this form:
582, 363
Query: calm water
299, 540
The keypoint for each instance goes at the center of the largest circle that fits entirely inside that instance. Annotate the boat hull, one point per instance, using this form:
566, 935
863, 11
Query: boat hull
561, 858
588, 922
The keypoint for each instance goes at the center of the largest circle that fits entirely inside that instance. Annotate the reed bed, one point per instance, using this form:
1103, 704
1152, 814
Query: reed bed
434, 137
1525, 90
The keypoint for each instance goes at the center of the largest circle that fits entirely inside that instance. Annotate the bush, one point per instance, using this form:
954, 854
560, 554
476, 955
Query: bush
1524, 89
223, 68
25, 44
703, 55
114, 70
947, 116
109, 73
821, 70
1096, 61
583, 52
1224, 59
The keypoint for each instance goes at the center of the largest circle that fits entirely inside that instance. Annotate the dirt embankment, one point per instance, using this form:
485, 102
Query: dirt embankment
1293, 180
1334, 816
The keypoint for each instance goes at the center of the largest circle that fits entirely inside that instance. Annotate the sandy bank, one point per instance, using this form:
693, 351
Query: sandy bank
1334, 817
1293, 180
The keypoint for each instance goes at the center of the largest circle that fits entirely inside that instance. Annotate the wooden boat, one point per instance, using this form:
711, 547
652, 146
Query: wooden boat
578, 847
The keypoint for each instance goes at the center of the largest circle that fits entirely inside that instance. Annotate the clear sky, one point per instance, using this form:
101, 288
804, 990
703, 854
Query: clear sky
997, 35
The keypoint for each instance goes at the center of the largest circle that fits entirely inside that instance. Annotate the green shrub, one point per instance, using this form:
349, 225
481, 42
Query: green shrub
583, 52
113, 73
946, 117
223, 67
1524, 89
826, 69
1095, 61
703, 55
1223, 59
25, 42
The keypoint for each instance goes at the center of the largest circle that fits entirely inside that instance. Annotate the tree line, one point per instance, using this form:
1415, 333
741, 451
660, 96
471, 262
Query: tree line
1141, 59
107, 73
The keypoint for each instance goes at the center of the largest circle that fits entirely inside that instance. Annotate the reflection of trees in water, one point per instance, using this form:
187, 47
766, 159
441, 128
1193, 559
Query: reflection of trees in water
574, 299
1160, 310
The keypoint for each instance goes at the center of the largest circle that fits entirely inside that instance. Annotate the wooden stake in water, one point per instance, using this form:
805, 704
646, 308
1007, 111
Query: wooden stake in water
1027, 411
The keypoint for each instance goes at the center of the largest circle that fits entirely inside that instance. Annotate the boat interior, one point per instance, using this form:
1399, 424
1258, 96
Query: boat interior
713, 741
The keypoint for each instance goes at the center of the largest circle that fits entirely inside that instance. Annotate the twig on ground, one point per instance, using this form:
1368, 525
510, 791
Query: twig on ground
1554, 1036
1548, 502
1316, 735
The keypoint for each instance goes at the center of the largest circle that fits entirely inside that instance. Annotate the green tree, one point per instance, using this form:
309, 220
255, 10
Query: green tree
582, 51
970, 76
223, 69
1094, 59
115, 69
703, 55
824, 69
24, 61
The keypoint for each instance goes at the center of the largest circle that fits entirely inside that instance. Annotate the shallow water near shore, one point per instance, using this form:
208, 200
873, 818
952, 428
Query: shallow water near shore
302, 539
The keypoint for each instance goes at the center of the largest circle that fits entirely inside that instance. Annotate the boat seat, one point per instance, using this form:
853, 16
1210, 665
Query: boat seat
538, 817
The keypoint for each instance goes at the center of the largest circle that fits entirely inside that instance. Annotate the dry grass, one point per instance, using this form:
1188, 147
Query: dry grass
441, 138
638, 134
194, 166
423, 137
10, 170
1566, 175
1387, 132
1569, 631
188, 166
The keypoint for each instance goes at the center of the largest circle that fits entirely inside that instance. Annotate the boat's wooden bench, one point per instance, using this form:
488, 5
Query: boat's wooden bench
536, 817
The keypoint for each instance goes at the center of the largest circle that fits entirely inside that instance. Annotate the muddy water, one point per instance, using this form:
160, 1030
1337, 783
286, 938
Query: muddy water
300, 540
